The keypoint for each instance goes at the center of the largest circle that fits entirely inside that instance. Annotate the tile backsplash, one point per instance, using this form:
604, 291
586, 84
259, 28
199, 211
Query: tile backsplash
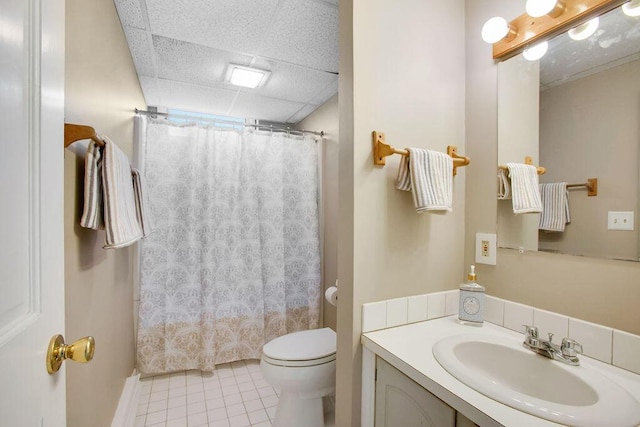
599, 342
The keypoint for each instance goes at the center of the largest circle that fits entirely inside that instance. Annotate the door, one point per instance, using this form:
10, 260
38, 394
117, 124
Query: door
31, 209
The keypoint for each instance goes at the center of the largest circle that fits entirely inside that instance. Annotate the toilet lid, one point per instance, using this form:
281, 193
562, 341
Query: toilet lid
303, 345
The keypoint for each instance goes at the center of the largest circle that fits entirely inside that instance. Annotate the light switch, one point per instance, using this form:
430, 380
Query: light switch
620, 220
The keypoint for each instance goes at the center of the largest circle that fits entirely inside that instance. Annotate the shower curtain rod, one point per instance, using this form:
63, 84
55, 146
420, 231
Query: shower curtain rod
255, 125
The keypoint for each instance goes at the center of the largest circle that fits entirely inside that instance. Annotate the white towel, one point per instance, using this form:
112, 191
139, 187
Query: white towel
120, 214
525, 193
140, 194
504, 186
92, 210
429, 176
555, 207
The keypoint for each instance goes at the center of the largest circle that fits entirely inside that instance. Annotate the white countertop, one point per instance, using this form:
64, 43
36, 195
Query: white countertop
409, 349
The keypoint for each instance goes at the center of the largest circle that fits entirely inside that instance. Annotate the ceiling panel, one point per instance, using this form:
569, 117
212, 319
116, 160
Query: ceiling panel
305, 33
193, 63
182, 48
131, 14
141, 49
291, 82
265, 108
186, 96
236, 25
301, 114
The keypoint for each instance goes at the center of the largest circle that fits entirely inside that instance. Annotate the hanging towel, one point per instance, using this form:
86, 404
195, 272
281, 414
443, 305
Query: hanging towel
92, 211
120, 213
504, 186
140, 194
429, 176
555, 207
525, 193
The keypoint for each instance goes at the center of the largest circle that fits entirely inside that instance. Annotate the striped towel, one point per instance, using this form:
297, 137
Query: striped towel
429, 176
504, 186
555, 207
140, 194
120, 215
92, 209
525, 193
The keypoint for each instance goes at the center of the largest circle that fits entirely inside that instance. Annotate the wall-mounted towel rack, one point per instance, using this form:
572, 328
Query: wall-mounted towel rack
381, 150
73, 133
528, 160
591, 185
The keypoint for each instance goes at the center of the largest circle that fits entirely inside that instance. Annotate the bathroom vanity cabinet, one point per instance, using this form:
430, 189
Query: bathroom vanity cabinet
400, 401
404, 385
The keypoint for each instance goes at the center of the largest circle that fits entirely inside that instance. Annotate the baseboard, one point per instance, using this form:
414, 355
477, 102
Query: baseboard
125, 415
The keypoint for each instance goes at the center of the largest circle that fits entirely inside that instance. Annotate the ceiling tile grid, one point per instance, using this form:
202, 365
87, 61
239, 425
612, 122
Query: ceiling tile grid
182, 48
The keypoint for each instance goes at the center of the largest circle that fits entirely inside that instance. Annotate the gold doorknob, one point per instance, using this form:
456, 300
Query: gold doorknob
80, 351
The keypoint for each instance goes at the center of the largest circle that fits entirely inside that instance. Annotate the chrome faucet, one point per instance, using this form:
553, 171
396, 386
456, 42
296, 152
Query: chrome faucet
566, 352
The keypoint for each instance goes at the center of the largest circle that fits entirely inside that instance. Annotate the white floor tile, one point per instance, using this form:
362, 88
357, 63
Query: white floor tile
239, 421
194, 420
180, 422
177, 413
258, 416
160, 405
217, 414
215, 403
253, 405
235, 395
156, 417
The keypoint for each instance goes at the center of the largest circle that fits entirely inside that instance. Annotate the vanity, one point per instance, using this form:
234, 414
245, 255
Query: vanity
404, 384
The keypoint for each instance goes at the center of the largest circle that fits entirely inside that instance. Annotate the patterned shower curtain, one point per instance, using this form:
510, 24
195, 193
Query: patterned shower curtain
234, 260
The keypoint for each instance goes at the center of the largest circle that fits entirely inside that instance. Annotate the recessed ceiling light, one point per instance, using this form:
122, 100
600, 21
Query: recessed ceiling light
239, 75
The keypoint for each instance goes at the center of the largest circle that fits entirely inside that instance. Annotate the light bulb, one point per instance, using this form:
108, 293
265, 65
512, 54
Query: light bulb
535, 52
631, 8
584, 31
537, 8
495, 29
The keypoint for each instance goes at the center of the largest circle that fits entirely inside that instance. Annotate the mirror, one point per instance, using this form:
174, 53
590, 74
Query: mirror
576, 112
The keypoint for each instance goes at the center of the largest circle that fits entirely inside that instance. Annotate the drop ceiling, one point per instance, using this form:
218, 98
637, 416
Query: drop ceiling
181, 50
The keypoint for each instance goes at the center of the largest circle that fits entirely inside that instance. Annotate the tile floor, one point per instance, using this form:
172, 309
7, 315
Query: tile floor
235, 395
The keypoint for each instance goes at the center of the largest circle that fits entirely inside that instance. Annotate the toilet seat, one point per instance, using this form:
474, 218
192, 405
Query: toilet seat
304, 348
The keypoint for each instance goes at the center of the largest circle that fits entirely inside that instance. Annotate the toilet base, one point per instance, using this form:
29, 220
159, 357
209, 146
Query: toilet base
295, 411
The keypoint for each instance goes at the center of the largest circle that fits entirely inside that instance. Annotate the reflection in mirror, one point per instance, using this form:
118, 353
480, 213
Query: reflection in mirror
577, 113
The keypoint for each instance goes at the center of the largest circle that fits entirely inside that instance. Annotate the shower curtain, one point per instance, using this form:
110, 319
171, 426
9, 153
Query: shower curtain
234, 260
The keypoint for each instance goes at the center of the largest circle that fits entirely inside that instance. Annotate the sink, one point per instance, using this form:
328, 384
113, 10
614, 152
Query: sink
503, 370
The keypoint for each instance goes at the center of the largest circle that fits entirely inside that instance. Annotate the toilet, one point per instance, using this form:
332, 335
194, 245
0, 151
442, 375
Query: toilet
302, 365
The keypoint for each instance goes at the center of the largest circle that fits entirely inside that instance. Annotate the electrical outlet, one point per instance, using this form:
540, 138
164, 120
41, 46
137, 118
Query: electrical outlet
620, 220
485, 248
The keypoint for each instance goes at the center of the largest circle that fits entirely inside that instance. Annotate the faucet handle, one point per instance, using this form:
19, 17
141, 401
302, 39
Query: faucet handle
570, 347
531, 331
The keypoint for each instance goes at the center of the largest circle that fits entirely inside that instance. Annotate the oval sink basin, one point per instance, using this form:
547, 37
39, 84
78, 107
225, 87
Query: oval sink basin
521, 379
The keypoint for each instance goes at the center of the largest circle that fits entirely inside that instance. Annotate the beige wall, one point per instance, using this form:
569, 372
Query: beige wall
101, 90
601, 291
397, 77
325, 118
591, 128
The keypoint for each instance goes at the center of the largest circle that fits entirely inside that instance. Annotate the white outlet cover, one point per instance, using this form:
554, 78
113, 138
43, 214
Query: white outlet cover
620, 220
490, 256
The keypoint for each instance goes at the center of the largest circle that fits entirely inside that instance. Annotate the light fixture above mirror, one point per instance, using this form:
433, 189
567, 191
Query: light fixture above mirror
545, 19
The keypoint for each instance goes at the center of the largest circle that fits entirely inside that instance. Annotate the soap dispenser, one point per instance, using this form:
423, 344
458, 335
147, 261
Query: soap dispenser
471, 308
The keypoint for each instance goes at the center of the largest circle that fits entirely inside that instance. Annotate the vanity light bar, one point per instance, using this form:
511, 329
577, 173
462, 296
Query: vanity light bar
530, 30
